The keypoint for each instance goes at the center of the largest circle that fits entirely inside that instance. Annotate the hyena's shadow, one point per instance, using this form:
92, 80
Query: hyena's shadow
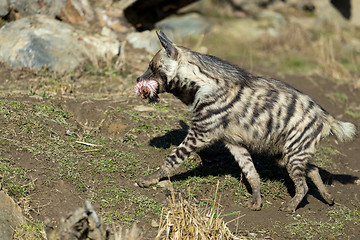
217, 161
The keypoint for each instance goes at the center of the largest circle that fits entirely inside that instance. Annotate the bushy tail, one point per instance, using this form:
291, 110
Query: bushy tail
344, 131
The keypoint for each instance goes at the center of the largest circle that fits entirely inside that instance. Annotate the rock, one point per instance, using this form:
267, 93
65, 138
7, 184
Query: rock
39, 41
272, 20
268, 23
142, 108
143, 14
31, 7
112, 19
191, 24
165, 184
146, 40
250, 7
327, 14
76, 11
10, 216
83, 223
4, 7
154, 223
355, 13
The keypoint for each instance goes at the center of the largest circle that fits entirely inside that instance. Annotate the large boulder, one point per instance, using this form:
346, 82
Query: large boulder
355, 13
143, 14
10, 216
76, 11
191, 24
144, 40
266, 24
31, 7
39, 41
4, 8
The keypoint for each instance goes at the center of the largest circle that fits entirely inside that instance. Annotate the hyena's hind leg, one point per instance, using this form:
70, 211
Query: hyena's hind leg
243, 158
296, 163
313, 174
193, 141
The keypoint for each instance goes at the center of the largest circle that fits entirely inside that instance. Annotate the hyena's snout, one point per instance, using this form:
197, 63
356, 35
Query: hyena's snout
145, 92
147, 89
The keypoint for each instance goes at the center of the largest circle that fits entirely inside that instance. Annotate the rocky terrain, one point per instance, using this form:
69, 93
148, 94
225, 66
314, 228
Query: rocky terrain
72, 129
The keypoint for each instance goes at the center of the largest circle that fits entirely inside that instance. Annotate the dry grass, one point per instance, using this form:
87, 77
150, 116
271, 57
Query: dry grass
185, 220
328, 64
322, 51
133, 234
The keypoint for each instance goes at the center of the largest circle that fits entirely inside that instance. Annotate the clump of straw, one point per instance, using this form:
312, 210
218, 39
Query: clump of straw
188, 221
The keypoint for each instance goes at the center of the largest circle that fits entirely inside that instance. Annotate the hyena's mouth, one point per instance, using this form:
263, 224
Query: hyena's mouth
147, 89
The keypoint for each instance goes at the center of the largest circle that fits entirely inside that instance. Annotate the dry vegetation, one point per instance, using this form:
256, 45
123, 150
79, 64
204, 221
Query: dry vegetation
100, 157
185, 220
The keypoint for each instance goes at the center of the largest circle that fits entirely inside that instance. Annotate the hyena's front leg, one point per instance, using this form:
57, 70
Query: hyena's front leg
193, 141
243, 158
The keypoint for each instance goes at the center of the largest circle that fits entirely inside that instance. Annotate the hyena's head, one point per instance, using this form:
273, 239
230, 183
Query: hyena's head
162, 68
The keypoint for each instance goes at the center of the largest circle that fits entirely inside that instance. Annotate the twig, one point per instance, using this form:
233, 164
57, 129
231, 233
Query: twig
88, 144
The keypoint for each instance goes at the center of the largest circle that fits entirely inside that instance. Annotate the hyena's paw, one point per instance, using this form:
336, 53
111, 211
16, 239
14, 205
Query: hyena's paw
254, 204
329, 198
147, 181
151, 179
288, 207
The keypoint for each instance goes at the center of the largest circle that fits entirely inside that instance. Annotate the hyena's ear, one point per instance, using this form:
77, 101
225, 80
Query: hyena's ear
168, 45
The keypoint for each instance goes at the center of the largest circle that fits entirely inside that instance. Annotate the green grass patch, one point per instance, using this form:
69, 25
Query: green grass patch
323, 156
133, 205
334, 227
51, 112
270, 189
195, 182
30, 231
116, 161
352, 113
342, 97
15, 179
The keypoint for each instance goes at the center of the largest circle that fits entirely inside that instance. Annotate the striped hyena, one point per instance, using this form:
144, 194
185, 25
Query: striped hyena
244, 111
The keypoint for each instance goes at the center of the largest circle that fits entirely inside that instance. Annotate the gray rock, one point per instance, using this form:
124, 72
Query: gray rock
146, 40
143, 14
31, 7
179, 27
355, 13
4, 7
267, 23
327, 14
10, 216
39, 40
251, 7
76, 11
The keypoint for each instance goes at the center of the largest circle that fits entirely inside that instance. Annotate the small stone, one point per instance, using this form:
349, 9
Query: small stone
143, 108
164, 184
357, 181
252, 235
154, 223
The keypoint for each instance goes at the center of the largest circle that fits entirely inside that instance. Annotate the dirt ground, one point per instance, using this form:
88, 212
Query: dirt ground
84, 135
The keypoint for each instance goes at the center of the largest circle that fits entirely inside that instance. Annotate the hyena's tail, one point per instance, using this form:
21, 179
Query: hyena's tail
344, 131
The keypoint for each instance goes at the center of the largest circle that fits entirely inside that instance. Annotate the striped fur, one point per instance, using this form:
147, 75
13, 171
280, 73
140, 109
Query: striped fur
245, 112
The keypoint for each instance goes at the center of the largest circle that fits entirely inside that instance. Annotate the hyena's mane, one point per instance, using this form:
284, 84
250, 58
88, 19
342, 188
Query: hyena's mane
218, 69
